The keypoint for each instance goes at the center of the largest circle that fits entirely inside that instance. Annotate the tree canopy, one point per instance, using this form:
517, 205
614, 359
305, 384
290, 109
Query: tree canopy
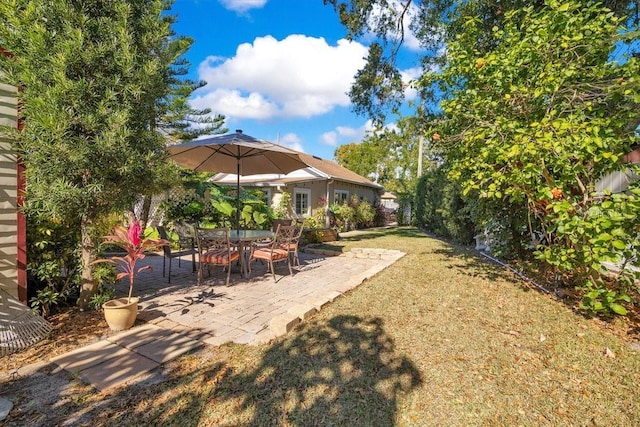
98, 79
537, 121
378, 89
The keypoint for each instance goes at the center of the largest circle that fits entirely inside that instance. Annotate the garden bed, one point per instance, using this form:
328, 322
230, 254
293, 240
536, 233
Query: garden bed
319, 235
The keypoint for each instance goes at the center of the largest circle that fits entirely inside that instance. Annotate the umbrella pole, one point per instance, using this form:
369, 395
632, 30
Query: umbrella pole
238, 197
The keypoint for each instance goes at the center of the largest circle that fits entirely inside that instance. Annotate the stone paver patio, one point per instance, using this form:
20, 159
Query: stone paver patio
256, 309
183, 316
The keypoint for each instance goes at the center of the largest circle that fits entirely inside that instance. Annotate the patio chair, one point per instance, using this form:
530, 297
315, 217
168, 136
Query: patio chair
277, 251
274, 227
292, 247
186, 246
214, 248
277, 222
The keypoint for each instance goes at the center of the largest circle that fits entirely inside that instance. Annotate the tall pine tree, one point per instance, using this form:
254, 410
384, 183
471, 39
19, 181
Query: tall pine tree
97, 78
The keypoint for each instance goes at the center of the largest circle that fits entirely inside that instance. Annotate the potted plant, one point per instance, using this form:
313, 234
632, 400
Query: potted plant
121, 313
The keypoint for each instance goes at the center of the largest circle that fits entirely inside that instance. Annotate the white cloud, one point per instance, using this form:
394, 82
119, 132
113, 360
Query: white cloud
235, 105
291, 140
329, 138
345, 134
299, 76
242, 5
409, 76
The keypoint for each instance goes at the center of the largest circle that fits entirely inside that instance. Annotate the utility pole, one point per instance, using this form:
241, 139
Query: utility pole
420, 145
420, 138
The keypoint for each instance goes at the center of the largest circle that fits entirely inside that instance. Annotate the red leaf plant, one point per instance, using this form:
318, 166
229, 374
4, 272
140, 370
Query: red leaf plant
134, 244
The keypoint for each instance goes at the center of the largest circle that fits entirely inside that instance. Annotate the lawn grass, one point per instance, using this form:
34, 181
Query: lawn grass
439, 338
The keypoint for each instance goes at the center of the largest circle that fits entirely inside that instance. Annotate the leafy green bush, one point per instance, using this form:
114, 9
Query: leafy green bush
316, 220
531, 125
53, 260
190, 203
284, 208
104, 294
355, 214
105, 277
600, 300
365, 213
380, 218
345, 216
254, 213
441, 209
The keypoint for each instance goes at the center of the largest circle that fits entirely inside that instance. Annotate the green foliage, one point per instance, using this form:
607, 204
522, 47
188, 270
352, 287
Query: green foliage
191, 202
45, 300
92, 75
345, 216
536, 120
284, 209
355, 214
364, 158
378, 89
53, 259
83, 77
390, 155
365, 213
508, 226
104, 294
254, 212
600, 300
605, 230
441, 209
317, 220
105, 276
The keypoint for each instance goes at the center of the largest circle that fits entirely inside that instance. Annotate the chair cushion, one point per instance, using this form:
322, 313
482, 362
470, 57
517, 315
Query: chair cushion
219, 256
278, 254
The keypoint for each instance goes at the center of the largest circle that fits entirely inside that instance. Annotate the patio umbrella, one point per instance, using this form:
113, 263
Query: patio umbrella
236, 153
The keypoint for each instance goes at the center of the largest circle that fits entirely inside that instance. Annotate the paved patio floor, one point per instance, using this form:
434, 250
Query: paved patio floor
182, 316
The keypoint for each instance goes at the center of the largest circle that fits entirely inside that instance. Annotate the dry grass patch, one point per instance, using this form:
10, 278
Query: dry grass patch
439, 338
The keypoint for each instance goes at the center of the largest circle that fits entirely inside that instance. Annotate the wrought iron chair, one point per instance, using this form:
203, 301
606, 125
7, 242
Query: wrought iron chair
214, 248
277, 251
277, 222
274, 227
292, 247
186, 246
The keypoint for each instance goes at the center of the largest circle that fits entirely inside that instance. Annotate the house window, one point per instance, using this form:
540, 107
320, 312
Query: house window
340, 196
301, 198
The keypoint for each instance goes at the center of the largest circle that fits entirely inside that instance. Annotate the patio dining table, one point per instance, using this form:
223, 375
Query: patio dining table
244, 238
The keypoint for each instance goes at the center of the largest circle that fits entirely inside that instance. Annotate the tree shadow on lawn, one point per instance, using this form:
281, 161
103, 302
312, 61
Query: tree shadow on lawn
340, 371
471, 263
365, 234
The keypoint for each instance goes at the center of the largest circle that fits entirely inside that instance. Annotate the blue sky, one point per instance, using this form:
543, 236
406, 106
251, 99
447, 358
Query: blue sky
278, 69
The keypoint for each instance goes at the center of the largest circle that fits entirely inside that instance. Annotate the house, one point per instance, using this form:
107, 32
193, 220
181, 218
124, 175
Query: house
619, 181
311, 187
389, 201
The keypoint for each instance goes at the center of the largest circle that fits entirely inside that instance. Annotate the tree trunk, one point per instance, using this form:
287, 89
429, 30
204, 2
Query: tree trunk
146, 208
88, 285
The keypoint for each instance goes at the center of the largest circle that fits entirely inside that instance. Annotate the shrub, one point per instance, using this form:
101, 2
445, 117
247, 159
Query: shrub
441, 209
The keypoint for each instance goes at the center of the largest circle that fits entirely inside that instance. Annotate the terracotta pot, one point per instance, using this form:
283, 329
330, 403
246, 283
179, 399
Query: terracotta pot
121, 314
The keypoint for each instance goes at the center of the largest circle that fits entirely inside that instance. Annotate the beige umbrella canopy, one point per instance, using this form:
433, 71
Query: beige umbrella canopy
236, 153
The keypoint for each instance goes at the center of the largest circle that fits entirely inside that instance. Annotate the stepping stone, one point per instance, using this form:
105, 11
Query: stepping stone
119, 371
5, 408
